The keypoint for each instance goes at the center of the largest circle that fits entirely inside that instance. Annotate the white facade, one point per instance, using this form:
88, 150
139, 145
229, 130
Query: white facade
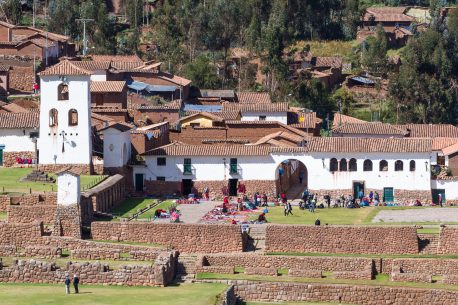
17, 140
450, 188
99, 76
116, 147
62, 143
319, 176
68, 188
281, 117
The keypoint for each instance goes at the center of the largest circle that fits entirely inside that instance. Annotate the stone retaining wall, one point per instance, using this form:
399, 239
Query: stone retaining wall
7, 250
96, 254
42, 252
4, 202
341, 239
108, 194
411, 277
19, 234
10, 157
195, 238
31, 213
67, 221
363, 295
31, 271
448, 241
308, 273
352, 275
228, 297
143, 255
264, 271
289, 262
421, 265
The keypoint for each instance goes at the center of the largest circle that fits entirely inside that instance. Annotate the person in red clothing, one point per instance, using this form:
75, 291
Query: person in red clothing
35, 88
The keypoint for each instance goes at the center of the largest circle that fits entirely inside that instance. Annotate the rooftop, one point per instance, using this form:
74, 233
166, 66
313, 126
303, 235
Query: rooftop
431, 130
9, 120
107, 86
254, 97
65, 68
256, 107
373, 128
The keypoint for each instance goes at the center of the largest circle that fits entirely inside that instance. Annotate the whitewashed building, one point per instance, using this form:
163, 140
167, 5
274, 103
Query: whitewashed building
116, 145
273, 112
65, 115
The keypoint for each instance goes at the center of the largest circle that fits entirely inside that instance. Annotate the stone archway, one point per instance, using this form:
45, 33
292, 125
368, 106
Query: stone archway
291, 176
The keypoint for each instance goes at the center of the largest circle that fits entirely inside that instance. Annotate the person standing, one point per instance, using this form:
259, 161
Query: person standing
440, 199
360, 195
264, 199
290, 208
376, 198
207, 192
301, 177
371, 196
67, 284
76, 282
327, 198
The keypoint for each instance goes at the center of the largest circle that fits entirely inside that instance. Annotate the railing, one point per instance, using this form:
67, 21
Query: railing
93, 183
235, 169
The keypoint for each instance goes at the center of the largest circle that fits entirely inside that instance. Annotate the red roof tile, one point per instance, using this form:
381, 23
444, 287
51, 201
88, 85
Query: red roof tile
374, 128
431, 130
256, 107
19, 120
65, 68
254, 97
108, 86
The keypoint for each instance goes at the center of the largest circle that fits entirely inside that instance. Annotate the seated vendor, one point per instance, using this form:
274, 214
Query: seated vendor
262, 217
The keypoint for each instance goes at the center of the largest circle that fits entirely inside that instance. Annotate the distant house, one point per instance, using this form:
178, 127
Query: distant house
277, 112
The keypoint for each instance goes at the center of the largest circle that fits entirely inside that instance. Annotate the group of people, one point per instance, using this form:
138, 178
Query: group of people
310, 201
68, 281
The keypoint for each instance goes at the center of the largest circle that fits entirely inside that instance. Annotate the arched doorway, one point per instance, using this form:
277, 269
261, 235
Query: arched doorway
291, 177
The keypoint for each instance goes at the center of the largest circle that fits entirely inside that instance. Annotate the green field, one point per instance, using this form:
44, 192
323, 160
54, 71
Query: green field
35, 294
10, 181
131, 205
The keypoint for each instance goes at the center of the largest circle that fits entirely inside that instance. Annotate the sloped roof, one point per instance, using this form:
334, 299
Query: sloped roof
254, 97
92, 65
152, 126
441, 143
431, 130
279, 135
9, 120
450, 149
323, 62
117, 58
342, 118
211, 116
373, 128
173, 105
65, 68
121, 126
256, 107
287, 127
14, 108
107, 86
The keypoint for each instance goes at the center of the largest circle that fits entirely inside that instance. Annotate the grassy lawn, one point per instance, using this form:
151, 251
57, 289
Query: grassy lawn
329, 48
131, 205
9, 181
3, 215
380, 280
35, 294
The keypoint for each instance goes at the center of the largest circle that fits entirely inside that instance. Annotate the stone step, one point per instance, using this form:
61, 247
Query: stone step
428, 243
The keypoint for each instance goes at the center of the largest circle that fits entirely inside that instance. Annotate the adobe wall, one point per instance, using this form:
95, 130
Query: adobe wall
20, 234
31, 213
288, 262
363, 295
448, 241
32, 271
196, 238
83, 169
22, 78
341, 239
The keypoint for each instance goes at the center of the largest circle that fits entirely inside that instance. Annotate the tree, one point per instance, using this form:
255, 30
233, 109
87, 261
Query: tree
313, 95
62, 15
374, 53
202, 73
13, 11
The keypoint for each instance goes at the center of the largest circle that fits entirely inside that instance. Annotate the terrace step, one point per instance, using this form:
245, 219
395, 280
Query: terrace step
428, 243
186, 268
257, 238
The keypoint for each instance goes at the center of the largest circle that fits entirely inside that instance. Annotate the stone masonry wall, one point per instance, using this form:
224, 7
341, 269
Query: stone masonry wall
32, 271
4, 202
31, 213
341, 239
19, 234
363, 295
67, 221
421, 265
198, 238
9, 158
448, 241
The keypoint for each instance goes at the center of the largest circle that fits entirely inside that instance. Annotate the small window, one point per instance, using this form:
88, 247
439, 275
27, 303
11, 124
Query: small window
160, 178
233, 165
161, 162
53, 113
262, 117
187, 168
62, 92
398, 166
195, 125
343, 165
72, 117
187, 161
333, 165
412, 166
367, 166
353, 166
383, 166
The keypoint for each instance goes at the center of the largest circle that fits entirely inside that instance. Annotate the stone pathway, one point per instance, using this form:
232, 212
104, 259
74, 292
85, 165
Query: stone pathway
418, 215
193, 213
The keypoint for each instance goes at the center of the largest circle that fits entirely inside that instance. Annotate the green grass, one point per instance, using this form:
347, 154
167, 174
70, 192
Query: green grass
133, 243
328, 48
131, 205
9, 181
3, 215
35, 294
380, 280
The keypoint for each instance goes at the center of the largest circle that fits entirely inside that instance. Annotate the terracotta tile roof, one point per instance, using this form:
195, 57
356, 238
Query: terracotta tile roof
211, 116
307, 121
14, 108
431, 130
386, 9
387, 14
152, 126
273, 107
65, 68
381, 145
332, 62
93, 65
19, 120
117, 58
121, 126
338, 119
441, 143
254, 97
450, 149
108, 109
4, 68
373, 128
225, 141
229, 115
274, 123
279, 135
126, 66
181, 81
108, 86
175, 104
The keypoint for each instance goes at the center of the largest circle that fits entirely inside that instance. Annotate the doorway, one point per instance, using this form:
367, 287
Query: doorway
139, 182
186, 186
358, 186
388, 194
233, 187
435, 194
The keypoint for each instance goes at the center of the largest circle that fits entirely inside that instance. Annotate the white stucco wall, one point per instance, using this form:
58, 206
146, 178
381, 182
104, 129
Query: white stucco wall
450, 187
318, 174
99, 75
78, 140
15, 140
281, 117
114, 141
68, 189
